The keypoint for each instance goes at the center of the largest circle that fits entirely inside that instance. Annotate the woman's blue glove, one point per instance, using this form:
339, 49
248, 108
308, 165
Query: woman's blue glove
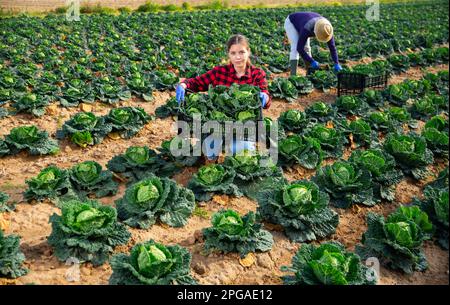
264, 98
315, 64
337, 67
180, 94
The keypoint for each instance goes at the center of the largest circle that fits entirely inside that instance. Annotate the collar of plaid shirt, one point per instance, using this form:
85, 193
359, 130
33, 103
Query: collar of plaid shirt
233, 72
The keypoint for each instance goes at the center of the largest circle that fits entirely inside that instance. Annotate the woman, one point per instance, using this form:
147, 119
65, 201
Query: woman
300, 27
239, 70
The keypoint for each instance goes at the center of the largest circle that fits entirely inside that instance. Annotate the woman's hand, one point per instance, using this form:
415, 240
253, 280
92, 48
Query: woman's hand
181, 90
264, 98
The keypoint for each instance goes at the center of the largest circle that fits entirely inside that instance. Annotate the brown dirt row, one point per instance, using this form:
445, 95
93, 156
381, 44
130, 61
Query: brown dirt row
30, 221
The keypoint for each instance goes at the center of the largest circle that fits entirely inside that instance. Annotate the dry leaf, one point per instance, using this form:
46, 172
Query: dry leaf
85, 107
119, 177
221, 199
329, 124
114, 135
356, 209
352, 143
248, 260
4, 222
4, 281
52, 110
164, 226
221, 158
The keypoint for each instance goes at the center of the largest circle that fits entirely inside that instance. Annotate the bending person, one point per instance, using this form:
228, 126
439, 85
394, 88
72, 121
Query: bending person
302, 26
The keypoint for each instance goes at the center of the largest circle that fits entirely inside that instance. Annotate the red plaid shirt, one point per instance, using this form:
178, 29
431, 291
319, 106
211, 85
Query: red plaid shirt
226, 76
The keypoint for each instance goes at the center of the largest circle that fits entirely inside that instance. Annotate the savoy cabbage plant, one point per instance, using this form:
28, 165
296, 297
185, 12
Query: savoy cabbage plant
51, 183
373, 97
382, 166
436, 204
382, 121
397, 240
110, 90
4, 149
321, 112
253, 171
301, 208
84, 129
289, 88
396, 94
211, 179
249, 165
426, 107
140, 85
346, 184
30, 138
323, 80
170, 108
305, 151
400, 114
410, 152
152, 263
293, 120
327, 264
435, 133
164, 79
11, 258
88, 178
153, 199
75, 91
361, 132
138, 162
442, 180
232, 233
284, 89
332, 140
31, 103
87, 231
4, 206
351, 105
165, 153
127, 121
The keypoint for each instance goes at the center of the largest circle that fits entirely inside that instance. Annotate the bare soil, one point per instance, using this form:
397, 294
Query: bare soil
30, 221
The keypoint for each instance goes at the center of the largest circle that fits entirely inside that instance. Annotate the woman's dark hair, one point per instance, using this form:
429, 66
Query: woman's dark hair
239, 39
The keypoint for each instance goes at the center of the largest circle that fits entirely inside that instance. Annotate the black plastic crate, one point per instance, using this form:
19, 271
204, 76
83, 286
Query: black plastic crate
351, 83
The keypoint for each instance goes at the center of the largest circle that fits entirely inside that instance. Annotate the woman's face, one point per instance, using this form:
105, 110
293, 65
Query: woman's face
238, 55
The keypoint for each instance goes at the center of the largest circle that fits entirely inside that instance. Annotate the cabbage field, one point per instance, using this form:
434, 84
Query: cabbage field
91, 192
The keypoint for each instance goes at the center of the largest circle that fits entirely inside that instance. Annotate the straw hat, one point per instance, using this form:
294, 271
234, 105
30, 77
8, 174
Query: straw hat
323, 30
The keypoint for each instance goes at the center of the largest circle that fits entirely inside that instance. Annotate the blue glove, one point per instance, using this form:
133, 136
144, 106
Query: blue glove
314, 64
337, 67
180, 94
264, 98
